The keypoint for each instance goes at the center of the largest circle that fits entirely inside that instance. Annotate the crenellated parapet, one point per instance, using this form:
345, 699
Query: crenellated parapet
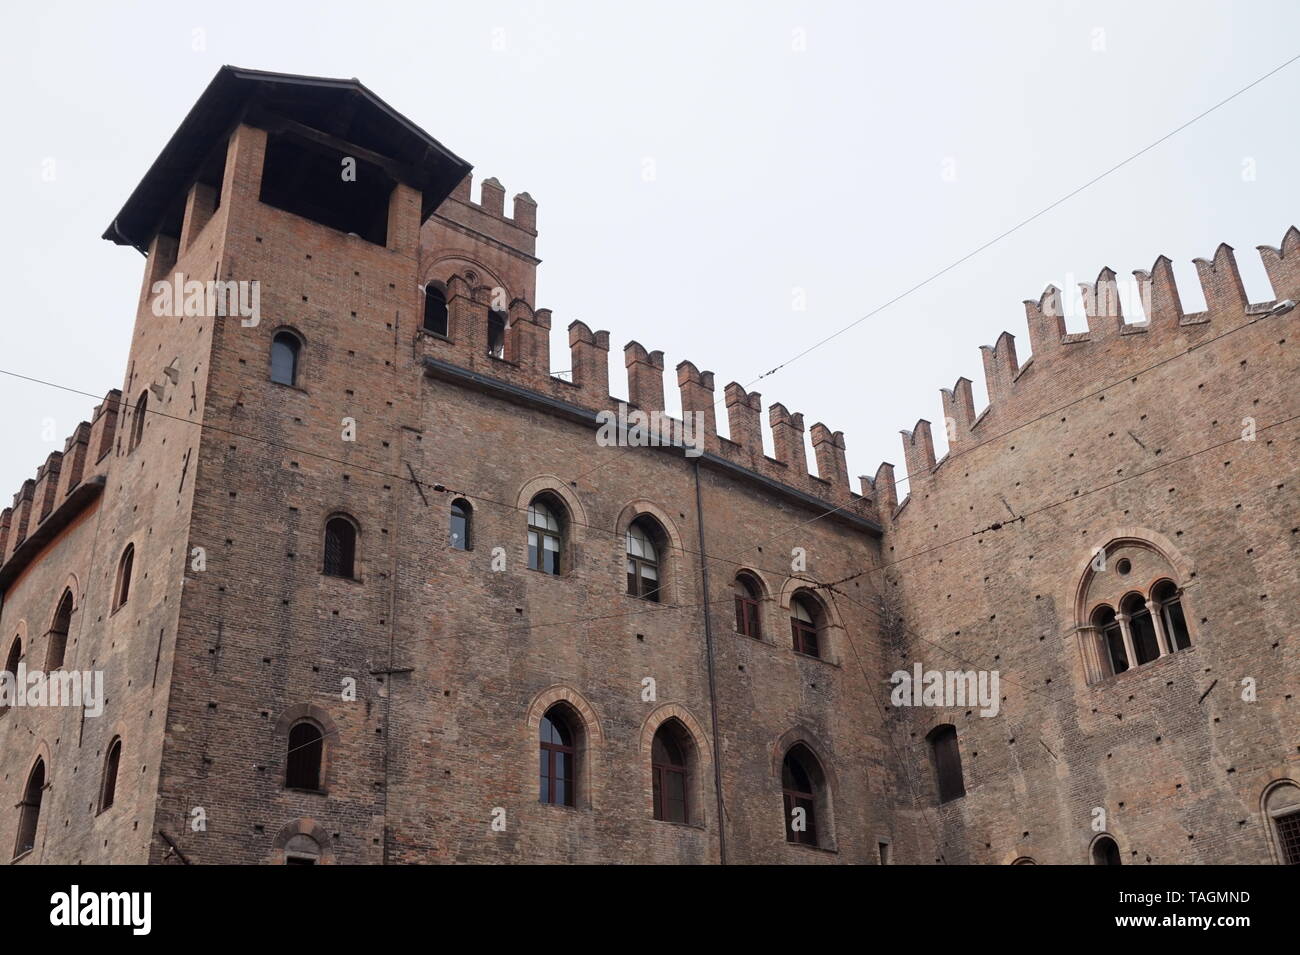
60, 480
1062, 360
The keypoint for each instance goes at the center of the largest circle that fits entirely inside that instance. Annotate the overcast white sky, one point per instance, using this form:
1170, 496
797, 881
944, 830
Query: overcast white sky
845, 149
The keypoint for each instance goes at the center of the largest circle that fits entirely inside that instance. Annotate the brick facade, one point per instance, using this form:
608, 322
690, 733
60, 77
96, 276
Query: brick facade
430, 669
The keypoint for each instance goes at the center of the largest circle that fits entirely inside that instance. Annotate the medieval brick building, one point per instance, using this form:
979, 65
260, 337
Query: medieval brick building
364, 588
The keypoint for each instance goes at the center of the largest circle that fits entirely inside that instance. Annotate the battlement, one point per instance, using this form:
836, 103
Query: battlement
1063, 359
58, 481
488, 216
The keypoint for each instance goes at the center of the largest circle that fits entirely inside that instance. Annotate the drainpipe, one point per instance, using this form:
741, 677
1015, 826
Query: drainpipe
713, 685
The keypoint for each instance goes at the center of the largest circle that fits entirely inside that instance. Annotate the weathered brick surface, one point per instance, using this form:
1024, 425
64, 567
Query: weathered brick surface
454, 662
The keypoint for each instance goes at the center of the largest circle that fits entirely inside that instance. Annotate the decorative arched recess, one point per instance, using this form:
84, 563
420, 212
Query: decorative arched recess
329, 740
671, 569
1085, 599
834, 632
802, 735
452, 264
303, 827
591, 745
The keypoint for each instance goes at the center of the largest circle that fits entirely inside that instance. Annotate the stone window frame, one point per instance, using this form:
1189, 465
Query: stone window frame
573, 537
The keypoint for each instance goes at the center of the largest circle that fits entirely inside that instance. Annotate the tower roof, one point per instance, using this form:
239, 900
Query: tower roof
340, 108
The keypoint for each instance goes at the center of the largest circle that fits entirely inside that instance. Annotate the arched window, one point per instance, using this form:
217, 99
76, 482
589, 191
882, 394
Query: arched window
285, 347
58, 645
461, 514
558, 758
108, 787
1167, 596
435, 309
306, 752
671, 771
1282, 807
643, 537
122, 587
805, 622
137, 423
802, 784
747, 595
340, 548
1112, 638
1105, 851
1024, 860
545, 535
1141, 628
302, 849
30, 809
496, 334
11, 666
946, 755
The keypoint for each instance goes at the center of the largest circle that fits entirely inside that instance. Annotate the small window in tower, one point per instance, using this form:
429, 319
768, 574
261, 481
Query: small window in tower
461, 514
306, 752
285, 347
435, 309
340, 547
496, 334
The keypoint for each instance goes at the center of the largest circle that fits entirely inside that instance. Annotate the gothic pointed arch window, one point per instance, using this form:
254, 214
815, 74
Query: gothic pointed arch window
435, 309
546, 532
558, 740
670, 755
1166, 599
122, 584
137, 422
58, 639
748, 594
108, 785
803, 786
29, 815
1105, 851
645, 540
806, 620
11, 665
1142, 628
1112, 639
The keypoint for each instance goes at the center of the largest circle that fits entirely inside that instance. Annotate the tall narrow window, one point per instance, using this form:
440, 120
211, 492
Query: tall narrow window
801, 778
108, 788
137, 422
496, 334
804, 625
460, 524
125, 565
746, 591
435, 309
947, 762
642, 560
58, 646
1166, 594
306, 749
285, 347
340, 548
557, 754
1105, 852
1142, 629
545, 537
671, 773
30, 809
1112, 638
11, 665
